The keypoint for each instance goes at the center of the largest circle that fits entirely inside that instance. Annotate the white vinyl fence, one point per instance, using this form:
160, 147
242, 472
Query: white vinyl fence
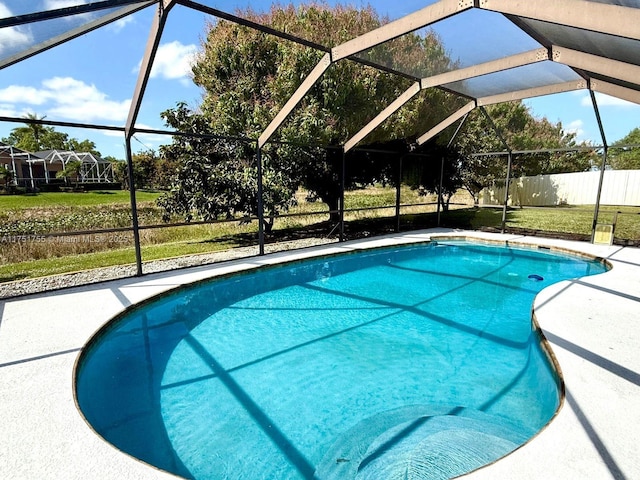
620, 187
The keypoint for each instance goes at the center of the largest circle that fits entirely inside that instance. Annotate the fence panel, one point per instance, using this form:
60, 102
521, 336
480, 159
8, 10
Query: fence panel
621, 187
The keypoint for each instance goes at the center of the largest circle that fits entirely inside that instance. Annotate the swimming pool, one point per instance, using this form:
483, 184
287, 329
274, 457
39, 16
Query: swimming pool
409, 362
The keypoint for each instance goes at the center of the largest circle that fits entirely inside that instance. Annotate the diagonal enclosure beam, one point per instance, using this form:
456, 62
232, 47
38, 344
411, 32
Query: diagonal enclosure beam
607, 67
446, 123
147, 63
617, 91
494, 66
533, 92
293, 101
513, 61
66, 12
588, 15
402, 26
382, 116
74, 33
409, 23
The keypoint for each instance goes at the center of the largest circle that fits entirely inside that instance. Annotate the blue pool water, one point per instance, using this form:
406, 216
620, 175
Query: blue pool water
414, 362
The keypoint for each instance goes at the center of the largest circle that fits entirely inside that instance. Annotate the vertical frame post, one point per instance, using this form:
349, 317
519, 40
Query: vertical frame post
33, 183
342, 186
506, 191
398, 186
440, 198
596, 212
260, 201
134, 207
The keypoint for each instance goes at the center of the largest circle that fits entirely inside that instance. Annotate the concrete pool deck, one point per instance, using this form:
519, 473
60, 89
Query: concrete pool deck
591, 325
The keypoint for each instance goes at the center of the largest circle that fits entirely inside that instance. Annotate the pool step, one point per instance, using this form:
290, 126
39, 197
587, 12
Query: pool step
420, 443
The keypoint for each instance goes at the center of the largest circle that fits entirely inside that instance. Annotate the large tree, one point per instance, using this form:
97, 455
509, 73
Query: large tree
626, 158
35, 137
521, 131
247, 76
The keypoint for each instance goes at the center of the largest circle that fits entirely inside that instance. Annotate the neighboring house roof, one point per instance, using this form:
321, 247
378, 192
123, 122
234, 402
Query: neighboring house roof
69, 155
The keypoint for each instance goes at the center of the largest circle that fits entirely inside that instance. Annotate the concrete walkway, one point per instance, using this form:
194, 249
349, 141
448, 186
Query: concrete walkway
591, 325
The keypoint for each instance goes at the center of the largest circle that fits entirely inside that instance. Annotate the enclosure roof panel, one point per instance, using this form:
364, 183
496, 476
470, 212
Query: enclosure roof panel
477, 49
28, 28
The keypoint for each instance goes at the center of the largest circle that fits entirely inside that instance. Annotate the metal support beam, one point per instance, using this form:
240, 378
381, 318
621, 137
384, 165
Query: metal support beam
409, 23
617, 91
382, 116
260, 203
71, 34
513, 61
495, 129
596, 211
134, 208
440, 201
33, 183
584, 14
597, 64
343, 182
398, 191
147, 63
449, 144
446, 123
533, 92
603, 166
295, 99
509, 166
81, 9
596, 111
458, 129
506, 192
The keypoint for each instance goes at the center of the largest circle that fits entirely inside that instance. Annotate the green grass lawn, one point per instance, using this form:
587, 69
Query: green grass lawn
57, 212
72, 199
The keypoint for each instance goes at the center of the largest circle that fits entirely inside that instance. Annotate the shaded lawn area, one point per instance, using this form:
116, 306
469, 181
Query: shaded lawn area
73, 199
573, 223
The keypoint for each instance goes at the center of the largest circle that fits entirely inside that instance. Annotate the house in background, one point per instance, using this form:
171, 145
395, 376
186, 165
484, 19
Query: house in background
32, 170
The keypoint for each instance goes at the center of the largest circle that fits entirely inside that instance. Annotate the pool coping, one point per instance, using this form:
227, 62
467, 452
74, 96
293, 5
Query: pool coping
594, 435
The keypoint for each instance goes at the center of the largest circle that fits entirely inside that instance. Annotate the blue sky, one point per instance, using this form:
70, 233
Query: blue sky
92, 78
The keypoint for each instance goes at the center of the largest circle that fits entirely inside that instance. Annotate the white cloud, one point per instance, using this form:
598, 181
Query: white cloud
55, 4
118, 25
607, 101
577, 127
173, 61
22, 94
66, 97
9, 111
12, 38
75, 99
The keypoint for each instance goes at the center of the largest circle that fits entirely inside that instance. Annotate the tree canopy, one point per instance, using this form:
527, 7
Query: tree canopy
35, 137
521, 131
626, 158
247, 76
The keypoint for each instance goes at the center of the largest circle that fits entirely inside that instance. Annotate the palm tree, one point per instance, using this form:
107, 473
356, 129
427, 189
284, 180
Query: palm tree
30, 136
37, 129
6, 175
71, 170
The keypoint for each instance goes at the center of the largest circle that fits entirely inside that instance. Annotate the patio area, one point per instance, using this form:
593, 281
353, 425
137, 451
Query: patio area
591, 325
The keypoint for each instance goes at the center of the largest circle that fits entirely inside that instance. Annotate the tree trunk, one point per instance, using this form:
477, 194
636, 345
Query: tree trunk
334, 203
267, 223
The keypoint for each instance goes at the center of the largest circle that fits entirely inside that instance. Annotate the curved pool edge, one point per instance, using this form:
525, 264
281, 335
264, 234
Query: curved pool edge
371, 245
557, 370
574, 318
45, 437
